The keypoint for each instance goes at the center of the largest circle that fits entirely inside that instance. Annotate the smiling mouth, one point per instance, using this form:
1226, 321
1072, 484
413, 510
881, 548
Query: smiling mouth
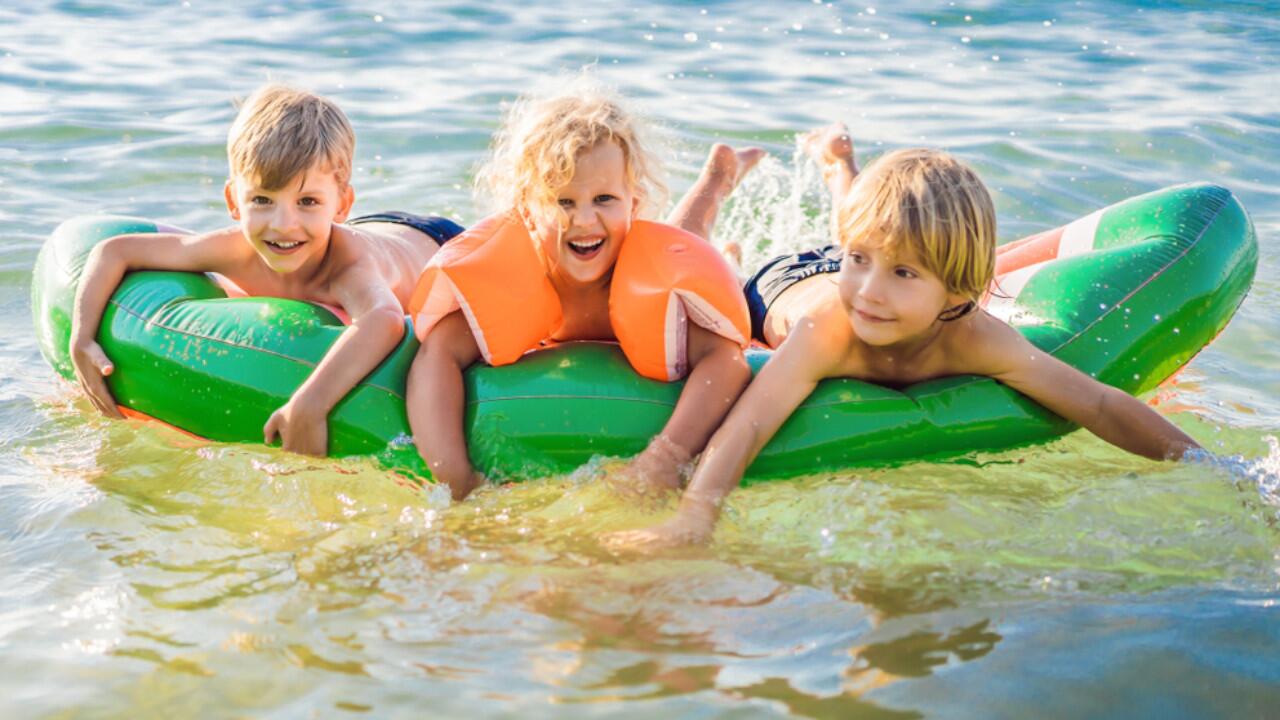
586, 248
871, 318
282, 246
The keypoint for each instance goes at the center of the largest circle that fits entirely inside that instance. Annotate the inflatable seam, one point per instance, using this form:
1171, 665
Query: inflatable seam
220, 341
1165, 268
510, 398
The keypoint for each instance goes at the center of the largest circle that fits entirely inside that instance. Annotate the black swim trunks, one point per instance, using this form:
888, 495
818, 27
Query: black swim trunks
781, 273
440, 229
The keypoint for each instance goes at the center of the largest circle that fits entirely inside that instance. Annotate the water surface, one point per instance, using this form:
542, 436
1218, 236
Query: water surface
147, 575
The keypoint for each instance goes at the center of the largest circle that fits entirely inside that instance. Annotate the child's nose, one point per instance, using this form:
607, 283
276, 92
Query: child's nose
284, 218
872, 287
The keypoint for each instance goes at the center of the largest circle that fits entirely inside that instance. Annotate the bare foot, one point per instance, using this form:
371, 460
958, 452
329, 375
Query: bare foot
831, 148
726, 167
723, 172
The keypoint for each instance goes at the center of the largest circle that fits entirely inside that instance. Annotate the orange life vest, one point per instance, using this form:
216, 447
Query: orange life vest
664, 278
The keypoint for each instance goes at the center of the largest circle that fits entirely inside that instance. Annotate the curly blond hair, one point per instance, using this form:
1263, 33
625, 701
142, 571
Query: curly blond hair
535, 152
282, 131
935, 204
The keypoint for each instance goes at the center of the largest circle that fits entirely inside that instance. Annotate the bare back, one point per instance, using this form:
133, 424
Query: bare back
398, 253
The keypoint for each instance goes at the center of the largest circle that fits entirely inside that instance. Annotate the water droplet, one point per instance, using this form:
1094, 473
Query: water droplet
691, 37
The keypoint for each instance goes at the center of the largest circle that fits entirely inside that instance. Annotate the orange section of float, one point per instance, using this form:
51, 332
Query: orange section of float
1028, 251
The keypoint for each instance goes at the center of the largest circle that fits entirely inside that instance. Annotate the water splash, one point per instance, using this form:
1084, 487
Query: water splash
1263, 473
779, 208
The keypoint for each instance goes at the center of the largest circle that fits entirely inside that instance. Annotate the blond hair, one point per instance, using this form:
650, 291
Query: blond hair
535, 152
281, 132
935, 204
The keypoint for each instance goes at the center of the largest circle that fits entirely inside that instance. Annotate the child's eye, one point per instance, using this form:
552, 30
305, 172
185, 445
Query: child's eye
565, 203
308, 202
605, 198
906, 273
260, 200
856, 257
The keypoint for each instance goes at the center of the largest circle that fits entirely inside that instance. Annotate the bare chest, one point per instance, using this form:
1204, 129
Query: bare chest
584, 316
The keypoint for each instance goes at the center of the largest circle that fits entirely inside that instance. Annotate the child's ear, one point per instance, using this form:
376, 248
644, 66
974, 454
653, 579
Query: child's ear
229, 194
346, 199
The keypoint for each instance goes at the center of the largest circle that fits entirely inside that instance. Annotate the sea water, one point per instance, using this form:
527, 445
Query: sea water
148, 575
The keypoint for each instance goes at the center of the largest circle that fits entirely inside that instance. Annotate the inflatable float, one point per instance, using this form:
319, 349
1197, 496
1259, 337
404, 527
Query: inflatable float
1128, 294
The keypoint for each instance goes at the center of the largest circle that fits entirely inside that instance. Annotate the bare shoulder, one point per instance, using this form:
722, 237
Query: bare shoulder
981, 344
820, 341
348, 244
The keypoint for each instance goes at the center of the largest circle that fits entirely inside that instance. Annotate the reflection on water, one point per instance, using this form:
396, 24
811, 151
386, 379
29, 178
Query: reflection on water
150, 575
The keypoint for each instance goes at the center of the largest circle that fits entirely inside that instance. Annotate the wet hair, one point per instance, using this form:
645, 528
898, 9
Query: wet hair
281, 132
535, 152
935, 205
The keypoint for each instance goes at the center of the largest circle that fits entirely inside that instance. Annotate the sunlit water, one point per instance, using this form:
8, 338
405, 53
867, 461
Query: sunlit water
147, 575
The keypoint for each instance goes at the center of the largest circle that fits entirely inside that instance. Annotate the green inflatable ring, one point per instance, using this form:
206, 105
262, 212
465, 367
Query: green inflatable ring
1157, 278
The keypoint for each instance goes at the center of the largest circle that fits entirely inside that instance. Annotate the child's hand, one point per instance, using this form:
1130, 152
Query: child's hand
459, 490
300, 427
683, 529
659, 469
92, 365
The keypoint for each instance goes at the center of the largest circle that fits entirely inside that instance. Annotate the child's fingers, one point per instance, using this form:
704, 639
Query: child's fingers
96, 388
272, 429
100, 360
627, 542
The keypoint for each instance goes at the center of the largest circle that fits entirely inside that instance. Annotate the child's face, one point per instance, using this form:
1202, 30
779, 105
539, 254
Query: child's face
581, 242
289, 227
890, 296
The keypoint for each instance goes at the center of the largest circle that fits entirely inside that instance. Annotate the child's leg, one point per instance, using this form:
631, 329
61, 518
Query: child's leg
699, 207
831, 148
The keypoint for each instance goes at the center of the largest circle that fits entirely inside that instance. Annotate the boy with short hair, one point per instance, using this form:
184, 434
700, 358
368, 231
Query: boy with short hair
290, 155
896, 302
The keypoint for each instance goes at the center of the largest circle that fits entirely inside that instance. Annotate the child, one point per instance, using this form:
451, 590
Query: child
896, 303
570, 174
290, 154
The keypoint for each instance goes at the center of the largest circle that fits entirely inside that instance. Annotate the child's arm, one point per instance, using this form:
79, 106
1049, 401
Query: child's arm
717, 374
1110, 413
810, 353
105, 268
436, 399
377, 326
